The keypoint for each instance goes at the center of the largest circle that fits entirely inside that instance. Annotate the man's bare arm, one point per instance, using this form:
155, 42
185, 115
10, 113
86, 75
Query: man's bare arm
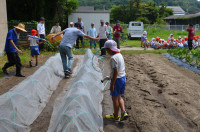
57, 35
89, 37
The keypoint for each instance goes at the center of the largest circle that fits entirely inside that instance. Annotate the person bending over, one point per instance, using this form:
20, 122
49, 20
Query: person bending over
118, 80
69, 37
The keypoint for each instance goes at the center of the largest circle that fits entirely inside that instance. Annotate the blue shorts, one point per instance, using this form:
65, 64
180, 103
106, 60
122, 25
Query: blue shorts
35, 51
119, 88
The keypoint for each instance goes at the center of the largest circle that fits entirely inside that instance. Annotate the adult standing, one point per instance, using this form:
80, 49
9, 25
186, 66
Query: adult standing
41, 32
71, 24
12, 50
93, 33
102, 36
80, 37
56, 28
117, 29
110, 30
69, 37
191, 33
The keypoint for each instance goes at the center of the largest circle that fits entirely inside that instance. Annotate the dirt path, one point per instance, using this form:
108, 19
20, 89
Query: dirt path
42, 123
160, 97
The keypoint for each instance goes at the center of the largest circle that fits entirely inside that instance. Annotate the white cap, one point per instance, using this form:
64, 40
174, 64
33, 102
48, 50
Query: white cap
179, 37
145, 32
71, 23
111, 44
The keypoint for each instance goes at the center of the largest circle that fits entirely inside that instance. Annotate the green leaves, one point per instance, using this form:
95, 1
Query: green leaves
191, 57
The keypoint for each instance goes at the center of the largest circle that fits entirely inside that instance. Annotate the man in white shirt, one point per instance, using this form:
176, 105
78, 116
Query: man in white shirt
102, 36
41, 32
56, 28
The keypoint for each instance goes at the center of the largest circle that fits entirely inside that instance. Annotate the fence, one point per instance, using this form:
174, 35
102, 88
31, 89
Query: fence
166, 27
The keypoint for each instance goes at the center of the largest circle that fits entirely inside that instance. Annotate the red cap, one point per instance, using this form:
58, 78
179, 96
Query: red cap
194, 37
172, 39
186, 38
33, 32
183, 39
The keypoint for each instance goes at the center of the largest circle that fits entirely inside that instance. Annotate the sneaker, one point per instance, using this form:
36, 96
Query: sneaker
19, 75
112, 118
67, 75
36, 64
69, 71
124, 115
30, 63
5, 71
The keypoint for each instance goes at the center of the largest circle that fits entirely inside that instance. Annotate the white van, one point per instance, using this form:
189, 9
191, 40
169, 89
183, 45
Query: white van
135, 29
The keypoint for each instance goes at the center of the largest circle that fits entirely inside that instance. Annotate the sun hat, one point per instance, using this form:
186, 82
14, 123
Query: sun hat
21, 27
33, 32
111, 44
171, 34
162, 40
118, 22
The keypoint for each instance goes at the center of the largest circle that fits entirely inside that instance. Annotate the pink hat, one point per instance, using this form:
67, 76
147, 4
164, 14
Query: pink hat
111, 44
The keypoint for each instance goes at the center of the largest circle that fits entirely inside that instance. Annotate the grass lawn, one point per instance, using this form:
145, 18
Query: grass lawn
25, 58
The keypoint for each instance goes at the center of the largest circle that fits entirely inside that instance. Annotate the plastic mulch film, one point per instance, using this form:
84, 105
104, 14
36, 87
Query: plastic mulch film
22, 104
81, 109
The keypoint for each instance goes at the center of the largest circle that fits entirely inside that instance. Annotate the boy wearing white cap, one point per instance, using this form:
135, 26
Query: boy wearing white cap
118, 80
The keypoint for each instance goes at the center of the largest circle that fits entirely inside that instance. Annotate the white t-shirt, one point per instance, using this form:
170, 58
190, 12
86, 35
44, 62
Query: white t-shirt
33, 42
102, 32
41, 28
117, 62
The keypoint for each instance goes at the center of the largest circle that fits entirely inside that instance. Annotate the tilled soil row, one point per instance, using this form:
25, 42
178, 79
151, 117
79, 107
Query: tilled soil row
159, 97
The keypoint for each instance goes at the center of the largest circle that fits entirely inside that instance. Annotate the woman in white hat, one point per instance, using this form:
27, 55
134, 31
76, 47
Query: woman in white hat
12, 50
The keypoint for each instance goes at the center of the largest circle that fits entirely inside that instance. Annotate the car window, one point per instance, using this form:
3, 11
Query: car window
136, 24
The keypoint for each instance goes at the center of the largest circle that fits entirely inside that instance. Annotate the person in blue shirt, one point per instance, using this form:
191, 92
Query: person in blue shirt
12, 50
93, 33
70, 35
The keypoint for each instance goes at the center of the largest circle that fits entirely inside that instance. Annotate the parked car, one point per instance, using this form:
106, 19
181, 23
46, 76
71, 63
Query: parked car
135, 29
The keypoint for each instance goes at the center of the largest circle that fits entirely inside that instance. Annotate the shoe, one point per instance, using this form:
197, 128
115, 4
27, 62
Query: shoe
112, 118
19, 75
30, 63
36, 64
124, 115
67, 75
69, 71
5, 71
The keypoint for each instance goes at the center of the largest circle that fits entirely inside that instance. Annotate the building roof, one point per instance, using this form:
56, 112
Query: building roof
176, 9
183, 16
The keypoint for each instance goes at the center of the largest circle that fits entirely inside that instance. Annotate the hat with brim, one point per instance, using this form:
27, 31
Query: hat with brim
112, 45
21, 27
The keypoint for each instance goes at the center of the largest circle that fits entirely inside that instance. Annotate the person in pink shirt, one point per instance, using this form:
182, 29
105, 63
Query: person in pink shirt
117, 29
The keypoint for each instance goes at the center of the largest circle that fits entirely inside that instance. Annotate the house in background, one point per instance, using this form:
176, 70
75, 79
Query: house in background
89, 15
177, 10
183, 19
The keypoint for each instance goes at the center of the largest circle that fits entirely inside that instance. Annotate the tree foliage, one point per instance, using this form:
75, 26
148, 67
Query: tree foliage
52, 10
193, 6
148, 13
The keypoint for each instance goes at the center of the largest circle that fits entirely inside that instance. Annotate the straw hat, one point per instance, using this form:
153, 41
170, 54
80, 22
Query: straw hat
21, 27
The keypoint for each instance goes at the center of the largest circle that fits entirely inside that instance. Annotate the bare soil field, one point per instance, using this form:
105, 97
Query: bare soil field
159, 97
